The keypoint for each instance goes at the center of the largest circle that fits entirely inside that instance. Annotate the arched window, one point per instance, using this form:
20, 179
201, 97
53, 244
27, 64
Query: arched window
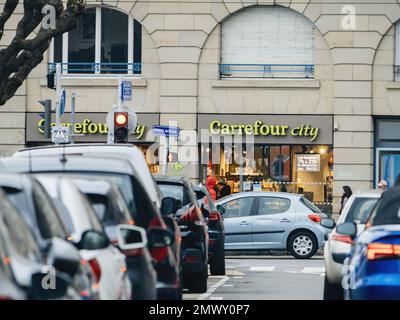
267, 41
105, 41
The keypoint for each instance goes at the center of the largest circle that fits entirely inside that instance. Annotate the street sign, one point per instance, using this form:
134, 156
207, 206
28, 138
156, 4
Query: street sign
62, 101
60, 134
126, 93
166, 131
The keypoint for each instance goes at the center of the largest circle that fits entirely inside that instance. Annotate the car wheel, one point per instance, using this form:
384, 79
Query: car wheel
197, 282
302, 245
332, 291
217, 264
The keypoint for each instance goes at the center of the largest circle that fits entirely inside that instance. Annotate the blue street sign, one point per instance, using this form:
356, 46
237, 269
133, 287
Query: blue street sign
126, 93
62, 101
166, 131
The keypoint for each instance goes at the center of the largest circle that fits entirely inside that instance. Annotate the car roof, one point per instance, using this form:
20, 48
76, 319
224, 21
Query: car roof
174, 179
93, 186
52, 164
368, 194
263, 193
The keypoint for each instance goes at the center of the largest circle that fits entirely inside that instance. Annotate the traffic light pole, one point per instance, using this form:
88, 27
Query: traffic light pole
58, 93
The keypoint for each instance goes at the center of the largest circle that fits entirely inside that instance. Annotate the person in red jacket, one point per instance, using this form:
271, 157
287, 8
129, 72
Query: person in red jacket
211, 182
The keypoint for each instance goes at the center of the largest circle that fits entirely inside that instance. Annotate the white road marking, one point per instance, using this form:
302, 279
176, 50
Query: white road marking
318, 270
262, 269
228, 285
237, 277
216, 298
212, 289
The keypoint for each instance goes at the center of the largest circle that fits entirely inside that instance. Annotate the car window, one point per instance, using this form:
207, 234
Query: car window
273, 205
47, 218
176, 191
21, 241
360, 210
310, 205
387, 209
238, 207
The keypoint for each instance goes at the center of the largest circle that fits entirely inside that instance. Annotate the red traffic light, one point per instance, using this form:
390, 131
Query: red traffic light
121, 118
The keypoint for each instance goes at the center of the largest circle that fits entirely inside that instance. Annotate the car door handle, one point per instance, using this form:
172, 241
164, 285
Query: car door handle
285, 220
244, 223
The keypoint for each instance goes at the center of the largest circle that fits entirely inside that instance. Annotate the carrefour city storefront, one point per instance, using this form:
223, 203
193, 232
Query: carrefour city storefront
291, 153
91, 128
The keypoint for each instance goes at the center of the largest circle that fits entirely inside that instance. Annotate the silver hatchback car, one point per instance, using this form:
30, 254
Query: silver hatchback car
272, 221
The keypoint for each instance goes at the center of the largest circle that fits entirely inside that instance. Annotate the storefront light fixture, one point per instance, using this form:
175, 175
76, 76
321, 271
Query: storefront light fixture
322, 151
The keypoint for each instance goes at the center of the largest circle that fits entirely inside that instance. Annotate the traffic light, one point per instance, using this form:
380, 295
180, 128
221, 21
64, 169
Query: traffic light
51, 79
46, 116
121, 127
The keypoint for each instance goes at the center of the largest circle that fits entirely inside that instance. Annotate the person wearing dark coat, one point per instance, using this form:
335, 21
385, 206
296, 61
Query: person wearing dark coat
345, 196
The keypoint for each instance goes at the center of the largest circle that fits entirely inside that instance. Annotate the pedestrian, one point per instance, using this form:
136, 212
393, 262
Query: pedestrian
345, 196
211, 183
382, 185
223, 190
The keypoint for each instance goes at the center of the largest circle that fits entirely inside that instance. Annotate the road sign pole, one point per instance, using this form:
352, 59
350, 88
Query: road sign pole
73, 98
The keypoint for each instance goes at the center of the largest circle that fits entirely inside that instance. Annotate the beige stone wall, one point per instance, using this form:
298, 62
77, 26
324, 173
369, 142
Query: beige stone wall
181, 52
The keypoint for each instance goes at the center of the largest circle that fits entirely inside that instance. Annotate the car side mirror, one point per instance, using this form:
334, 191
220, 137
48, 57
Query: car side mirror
328, 223
169, 205
131, 237
220, 209
159, 237
199, 194
45, 286
347, 229
93, 240
64, 257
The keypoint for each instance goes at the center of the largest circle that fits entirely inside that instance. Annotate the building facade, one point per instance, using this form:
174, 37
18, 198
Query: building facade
314, 83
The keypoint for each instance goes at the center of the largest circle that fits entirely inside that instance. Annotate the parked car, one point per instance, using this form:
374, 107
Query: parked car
272, 221
357, 209
373, 265
216, 230
44, 220
194, 231
112, 211
143, 210
22, 265
80, 218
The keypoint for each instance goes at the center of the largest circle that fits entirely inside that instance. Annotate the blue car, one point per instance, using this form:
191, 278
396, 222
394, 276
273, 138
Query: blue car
372, 270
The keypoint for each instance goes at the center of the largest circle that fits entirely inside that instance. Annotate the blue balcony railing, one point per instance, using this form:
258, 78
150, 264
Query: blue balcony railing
282, 71
98, 68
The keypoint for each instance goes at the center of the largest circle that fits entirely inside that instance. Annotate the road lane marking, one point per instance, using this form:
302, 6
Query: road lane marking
216, 298
228, 285
263, 269
212, 289
237, 277
317, 270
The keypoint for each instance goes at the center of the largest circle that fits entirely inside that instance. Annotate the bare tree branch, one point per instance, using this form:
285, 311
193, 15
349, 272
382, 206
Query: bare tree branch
9, 8
23, 53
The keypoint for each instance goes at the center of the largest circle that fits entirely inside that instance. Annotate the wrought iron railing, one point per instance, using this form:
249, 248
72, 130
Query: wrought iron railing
267, 71
98, 68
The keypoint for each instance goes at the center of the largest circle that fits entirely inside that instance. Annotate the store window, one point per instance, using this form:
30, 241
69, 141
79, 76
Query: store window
267, 42
301, 169
387, 144
105, 41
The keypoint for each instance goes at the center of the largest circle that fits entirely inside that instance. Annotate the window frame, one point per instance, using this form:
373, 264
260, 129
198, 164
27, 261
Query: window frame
98, 35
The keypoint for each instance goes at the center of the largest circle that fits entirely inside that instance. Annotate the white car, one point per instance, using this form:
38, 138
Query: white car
357, 209
126, 152
108, 263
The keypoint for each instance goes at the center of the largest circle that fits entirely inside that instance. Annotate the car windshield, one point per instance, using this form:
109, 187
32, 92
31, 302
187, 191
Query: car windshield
310, 205
387, 209
360, 210
176, 191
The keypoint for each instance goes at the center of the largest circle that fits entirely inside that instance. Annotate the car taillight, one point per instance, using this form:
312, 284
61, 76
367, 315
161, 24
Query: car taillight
383, 251
94, 264
214, 216
341, 238
314, 217
159, 254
